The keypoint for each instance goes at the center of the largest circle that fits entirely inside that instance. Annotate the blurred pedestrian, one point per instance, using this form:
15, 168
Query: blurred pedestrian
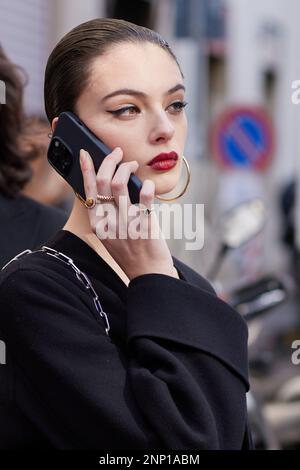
24, 223
45, 185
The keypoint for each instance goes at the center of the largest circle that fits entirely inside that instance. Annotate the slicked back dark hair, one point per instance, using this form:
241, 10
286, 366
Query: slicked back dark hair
68, 66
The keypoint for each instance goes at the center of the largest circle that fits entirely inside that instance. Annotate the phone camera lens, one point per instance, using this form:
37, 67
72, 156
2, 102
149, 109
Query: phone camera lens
60, 157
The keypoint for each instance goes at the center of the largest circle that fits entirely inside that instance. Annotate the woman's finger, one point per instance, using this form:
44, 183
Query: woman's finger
149, 223
88, 174
119, 184
106, 171
89, 180
147, 194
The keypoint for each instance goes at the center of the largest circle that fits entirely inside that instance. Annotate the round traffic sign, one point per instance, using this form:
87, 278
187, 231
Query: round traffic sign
243, 137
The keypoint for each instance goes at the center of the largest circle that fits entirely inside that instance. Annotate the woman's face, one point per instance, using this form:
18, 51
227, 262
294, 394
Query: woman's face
146, 123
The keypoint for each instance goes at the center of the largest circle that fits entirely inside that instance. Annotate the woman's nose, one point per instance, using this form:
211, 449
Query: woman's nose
163, 130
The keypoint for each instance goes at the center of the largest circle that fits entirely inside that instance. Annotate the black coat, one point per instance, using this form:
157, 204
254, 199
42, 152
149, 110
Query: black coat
171, 375
25, 223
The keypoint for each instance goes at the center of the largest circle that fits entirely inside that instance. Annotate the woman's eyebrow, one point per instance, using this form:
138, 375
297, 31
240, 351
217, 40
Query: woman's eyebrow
128, 91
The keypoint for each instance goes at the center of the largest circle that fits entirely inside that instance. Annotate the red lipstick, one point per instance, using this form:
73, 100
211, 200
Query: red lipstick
164, 161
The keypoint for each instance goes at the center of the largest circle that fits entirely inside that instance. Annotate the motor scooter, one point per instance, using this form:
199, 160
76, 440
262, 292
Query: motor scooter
238, 226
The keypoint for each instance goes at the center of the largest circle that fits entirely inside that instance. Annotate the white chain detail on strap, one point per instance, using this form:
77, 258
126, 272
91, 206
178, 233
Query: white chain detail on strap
81, 276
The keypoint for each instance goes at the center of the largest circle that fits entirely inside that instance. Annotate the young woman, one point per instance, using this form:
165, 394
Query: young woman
147, 356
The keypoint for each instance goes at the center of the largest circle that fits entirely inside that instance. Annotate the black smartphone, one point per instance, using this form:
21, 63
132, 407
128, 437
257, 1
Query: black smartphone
71, 135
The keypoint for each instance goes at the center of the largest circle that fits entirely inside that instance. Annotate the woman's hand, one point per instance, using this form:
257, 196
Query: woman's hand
135, 255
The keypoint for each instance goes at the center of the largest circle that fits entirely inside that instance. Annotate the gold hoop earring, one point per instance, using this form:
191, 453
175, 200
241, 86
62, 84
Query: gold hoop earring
185, 187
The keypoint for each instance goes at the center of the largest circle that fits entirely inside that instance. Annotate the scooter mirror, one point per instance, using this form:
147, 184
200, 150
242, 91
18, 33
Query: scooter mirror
243, 222
259, 297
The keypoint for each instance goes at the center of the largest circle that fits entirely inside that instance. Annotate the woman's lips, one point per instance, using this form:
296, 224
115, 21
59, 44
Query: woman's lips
163, 165
164, 161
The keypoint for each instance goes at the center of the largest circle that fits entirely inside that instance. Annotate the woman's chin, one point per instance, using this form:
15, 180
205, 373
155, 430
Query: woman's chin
164, 190
164, 183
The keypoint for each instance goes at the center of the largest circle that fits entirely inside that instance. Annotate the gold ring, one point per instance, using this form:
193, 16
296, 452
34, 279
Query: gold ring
101, 198
90, 202
147, 211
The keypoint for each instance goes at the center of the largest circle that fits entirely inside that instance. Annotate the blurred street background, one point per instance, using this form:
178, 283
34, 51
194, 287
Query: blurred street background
241, 62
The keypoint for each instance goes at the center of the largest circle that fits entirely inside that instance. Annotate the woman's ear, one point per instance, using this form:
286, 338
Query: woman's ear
54, 122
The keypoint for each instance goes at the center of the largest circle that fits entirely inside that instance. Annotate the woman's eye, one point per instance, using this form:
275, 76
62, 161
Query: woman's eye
178, 106
121, 111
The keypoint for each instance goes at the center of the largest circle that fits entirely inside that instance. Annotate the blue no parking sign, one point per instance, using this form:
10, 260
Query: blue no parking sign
243, 137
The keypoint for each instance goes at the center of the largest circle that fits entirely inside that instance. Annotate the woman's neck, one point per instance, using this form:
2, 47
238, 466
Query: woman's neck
79, 224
